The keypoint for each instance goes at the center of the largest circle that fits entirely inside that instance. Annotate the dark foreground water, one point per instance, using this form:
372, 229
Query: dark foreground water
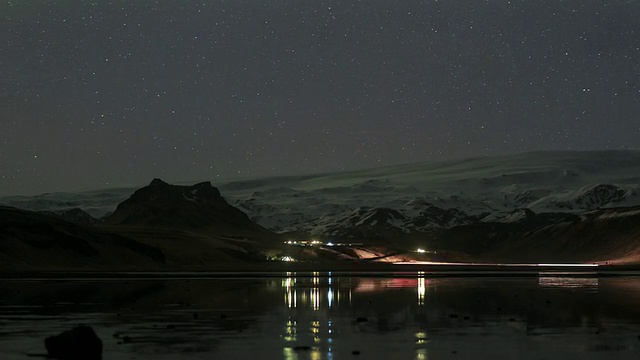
319, 316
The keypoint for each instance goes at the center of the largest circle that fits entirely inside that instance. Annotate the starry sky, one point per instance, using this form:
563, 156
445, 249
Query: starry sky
110, 93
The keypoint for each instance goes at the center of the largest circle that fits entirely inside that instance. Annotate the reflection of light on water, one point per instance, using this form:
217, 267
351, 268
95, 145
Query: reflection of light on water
421, 354
315, 291
290, 331
372, 285
290, 292
315, 298
422, 287
568, 282
290, 335
421, 340
315, 329
288, 353
330, 341
330, 297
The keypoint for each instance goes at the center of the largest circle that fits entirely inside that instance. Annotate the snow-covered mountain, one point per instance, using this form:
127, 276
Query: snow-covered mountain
411, 199
427, 196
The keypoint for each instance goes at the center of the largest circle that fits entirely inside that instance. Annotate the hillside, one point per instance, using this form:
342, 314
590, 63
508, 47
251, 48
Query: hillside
29, 240
605, 235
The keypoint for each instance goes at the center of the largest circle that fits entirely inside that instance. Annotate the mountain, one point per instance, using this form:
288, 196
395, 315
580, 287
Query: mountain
74, 215
30, 240
193, 225
195, 208
432, 196
397, 206
611, 235
160, 226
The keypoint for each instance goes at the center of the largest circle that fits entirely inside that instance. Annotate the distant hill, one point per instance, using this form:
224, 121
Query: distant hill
604, 235
160, 226
30, 240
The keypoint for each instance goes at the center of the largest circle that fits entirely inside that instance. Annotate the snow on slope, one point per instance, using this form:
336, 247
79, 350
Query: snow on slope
97, 203
421, 196
446, 194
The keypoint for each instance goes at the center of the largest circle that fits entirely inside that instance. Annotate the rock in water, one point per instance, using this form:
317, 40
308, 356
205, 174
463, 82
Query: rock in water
79, 343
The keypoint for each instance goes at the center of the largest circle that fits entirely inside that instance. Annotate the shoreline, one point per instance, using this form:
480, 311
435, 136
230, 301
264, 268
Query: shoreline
325, 269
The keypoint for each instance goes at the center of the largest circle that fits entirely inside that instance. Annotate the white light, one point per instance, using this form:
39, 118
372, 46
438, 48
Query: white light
329, 244
421, 251
580, 265
330, 298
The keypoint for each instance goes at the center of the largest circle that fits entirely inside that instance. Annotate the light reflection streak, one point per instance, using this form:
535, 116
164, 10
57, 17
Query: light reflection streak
422, 287
315, 292
568, 282
330, 297
315, 298
323, 294
421, 340
290, 290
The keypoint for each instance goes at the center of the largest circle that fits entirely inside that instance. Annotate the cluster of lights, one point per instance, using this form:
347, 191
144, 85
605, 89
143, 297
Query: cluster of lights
306, 243
318, 242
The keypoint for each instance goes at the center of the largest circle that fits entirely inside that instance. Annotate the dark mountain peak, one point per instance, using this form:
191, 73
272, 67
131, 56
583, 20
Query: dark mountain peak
158, 182
196, 207
204, 189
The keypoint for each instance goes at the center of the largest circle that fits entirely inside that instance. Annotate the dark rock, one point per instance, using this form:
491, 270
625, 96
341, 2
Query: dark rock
223, 316
355, 352
79, 343
196, 316
453, 316
361, 319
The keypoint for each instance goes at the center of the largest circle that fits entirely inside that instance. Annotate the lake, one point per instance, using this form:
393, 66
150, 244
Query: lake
330, 316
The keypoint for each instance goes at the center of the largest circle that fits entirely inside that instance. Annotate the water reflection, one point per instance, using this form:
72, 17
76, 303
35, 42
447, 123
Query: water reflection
317, 290
568, 282
422, 288
322, 316
314, 292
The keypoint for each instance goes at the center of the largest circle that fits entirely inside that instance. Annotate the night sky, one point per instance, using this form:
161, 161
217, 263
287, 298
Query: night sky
109, 93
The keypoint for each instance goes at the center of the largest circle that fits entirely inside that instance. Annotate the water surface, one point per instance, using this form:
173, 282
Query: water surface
320, 316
